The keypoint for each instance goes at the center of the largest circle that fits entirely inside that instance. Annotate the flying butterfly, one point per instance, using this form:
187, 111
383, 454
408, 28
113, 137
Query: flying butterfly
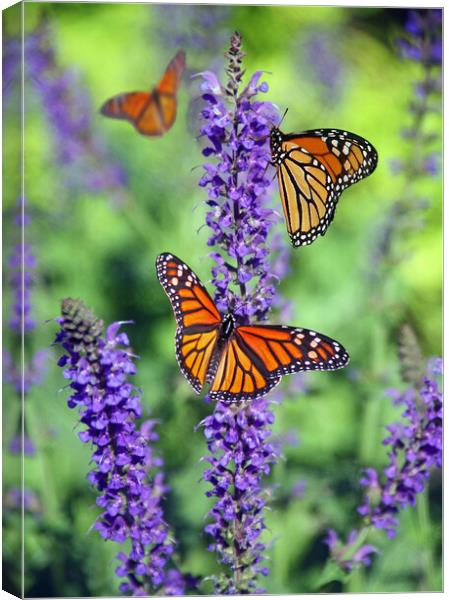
151, 113
313, 169
239, 362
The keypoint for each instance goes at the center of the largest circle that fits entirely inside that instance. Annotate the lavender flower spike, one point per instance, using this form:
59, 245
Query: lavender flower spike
21, 259
21, 277
415, 448
237, 127
98, 368
240, 456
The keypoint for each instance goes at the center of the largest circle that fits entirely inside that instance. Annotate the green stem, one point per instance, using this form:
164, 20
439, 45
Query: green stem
372, 412
430, 579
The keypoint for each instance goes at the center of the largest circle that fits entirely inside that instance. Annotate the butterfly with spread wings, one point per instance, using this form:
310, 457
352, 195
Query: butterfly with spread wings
239, 362
313, 169
151, 113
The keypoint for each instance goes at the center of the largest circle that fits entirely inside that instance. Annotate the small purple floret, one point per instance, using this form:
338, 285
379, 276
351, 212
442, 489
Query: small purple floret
350, 554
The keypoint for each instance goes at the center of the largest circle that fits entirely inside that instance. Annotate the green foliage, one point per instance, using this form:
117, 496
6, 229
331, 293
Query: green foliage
104, 252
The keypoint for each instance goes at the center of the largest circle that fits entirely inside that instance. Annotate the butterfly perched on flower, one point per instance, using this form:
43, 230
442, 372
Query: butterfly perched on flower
239, 362
313, 169
151, 113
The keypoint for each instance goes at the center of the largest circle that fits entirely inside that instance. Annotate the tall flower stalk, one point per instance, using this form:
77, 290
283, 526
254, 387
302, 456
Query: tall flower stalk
127, 474
415, 449
421, 43
236, 125
22, 375
66, 104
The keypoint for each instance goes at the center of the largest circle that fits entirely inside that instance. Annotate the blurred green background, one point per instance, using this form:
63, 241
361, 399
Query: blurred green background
101, 247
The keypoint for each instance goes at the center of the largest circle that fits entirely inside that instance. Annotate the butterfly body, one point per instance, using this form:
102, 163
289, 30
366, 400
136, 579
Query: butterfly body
152, 113
313, 169
239, 362
225, 331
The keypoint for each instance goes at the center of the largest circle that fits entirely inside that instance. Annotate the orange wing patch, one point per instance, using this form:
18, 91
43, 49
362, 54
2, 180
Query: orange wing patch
318, 149
170, 80
199, 309
194, 352
126, 106
237, 377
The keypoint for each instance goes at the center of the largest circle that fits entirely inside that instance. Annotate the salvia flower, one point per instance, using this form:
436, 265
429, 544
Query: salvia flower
321, 53
22, 264
240, 456
11, 62
22, 444
415, 447
22, 375
352, 553
236, 125
99, 368
26, 499
191, 26
421, 42
67, 106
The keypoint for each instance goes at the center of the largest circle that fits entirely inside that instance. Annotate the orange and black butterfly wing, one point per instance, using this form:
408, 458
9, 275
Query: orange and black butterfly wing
161, 113
139, 108
172, 77
152, 113
313, 169
258, 355
196, 315
126, 106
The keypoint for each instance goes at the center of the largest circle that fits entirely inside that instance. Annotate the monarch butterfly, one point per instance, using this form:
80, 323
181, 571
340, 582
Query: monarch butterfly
239, 362
313, 169
151, 113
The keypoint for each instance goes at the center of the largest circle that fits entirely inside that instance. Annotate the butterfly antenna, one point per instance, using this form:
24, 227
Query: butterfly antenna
283, 117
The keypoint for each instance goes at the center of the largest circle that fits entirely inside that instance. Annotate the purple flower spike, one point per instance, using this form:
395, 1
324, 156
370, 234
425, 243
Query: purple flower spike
21, 377
423, 43
98, 368
321, 52
22, 264
240, 457
67, 106
236, 126
415, 448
